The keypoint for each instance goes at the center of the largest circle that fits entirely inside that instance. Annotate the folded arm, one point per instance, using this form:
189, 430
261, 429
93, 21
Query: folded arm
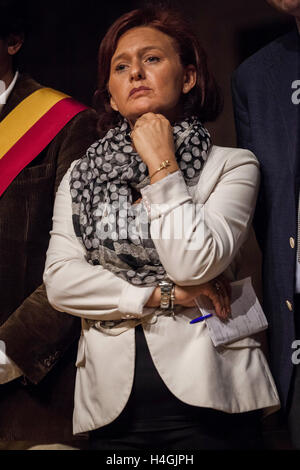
213, 230
77, 287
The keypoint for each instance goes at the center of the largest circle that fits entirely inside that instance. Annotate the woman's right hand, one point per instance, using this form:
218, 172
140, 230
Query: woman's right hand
218, 291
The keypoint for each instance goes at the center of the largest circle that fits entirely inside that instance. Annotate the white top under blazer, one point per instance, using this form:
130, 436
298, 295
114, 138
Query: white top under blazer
234, 378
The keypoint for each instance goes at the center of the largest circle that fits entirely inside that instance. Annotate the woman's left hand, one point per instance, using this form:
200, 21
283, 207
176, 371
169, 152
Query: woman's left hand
152, 137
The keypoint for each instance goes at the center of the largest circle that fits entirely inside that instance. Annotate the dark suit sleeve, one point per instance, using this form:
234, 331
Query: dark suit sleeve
73, 141
37, 336
241, 114
245, 140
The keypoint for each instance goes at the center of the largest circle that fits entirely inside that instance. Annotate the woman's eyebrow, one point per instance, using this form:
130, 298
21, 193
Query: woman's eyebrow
125, 55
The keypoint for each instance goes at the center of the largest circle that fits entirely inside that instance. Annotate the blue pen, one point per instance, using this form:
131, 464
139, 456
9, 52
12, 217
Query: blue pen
196, 320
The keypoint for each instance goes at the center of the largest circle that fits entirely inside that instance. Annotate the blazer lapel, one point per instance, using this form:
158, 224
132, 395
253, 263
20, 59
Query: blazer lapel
283, 72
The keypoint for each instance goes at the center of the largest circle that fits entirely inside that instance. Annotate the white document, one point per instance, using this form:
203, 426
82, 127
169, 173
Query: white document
247, 316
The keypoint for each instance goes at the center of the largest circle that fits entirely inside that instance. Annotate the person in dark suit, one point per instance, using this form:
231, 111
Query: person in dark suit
267, 122
33, 336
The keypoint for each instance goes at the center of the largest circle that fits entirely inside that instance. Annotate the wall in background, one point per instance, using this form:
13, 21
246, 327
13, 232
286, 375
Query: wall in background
61, 49
230, 31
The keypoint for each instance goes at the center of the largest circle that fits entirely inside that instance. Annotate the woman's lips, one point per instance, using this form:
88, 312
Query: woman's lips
139, 89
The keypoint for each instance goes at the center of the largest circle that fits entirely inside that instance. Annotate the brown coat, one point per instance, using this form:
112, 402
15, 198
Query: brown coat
37, 336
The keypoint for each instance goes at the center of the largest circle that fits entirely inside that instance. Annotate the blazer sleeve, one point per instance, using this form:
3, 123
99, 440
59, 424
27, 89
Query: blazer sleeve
245, 140
213, 231
36, 335
77, 287
241, 113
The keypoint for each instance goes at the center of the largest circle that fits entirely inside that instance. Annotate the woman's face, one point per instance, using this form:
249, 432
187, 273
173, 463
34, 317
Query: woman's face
146, 75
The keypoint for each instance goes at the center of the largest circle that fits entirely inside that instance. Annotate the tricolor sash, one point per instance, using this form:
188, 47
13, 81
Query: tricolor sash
30, 127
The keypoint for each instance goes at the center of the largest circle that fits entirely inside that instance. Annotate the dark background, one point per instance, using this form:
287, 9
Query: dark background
62, 43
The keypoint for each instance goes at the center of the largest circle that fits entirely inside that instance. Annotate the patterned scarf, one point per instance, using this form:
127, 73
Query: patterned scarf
114, 231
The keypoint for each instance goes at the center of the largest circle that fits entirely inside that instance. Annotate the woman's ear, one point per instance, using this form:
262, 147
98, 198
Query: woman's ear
189, 78
14, 43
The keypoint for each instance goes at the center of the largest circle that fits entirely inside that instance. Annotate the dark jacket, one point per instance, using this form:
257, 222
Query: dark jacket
36, 336
267, 123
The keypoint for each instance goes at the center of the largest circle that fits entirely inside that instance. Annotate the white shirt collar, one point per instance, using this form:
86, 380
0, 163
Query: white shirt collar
4, 96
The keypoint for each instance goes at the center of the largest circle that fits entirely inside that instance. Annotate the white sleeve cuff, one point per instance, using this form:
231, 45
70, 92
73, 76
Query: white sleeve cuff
162, 197
8, 369
133, 299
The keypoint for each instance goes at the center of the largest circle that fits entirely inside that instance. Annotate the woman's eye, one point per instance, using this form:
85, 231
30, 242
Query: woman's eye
153, 59
120, 67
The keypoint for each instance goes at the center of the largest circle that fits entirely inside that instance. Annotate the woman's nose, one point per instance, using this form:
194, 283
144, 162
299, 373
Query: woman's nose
137, 72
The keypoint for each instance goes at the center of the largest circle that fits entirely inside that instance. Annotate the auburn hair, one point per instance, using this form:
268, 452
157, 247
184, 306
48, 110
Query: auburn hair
204, 100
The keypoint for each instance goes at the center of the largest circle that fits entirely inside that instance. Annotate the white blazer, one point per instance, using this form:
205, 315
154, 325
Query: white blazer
235, 378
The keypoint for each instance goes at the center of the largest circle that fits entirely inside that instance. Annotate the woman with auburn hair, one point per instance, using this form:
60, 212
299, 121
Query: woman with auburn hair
204, 98
145, 223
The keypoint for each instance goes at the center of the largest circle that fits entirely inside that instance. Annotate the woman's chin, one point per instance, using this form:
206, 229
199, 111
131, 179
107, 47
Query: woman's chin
170, 113
140, 111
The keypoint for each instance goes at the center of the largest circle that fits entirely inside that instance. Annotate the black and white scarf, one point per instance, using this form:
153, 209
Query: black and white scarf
114, 231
